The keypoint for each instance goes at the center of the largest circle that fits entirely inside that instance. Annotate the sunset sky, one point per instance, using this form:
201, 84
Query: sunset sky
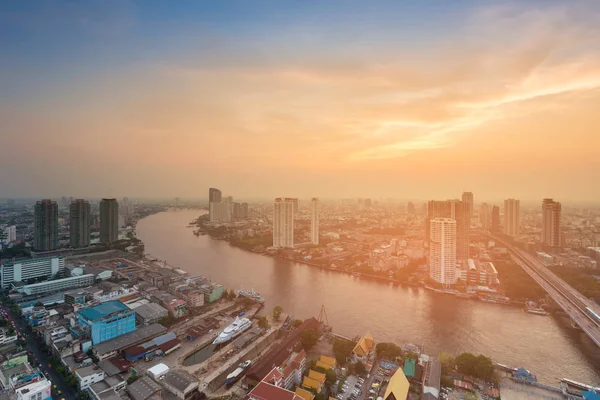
407, 99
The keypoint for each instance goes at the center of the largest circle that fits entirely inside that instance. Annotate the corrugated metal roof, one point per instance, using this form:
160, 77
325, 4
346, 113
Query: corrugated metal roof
103, 310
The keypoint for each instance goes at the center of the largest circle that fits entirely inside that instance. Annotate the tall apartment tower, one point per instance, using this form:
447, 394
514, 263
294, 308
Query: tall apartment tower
79, 223
458, 211
551, 211
467, 197
214, 196
511, 217
314, 221
495, 219
46, 225
109, 221
283, 222
442, 250
485, 216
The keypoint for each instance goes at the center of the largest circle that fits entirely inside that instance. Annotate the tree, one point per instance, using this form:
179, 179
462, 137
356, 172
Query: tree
132, 379
277, 310
342, 350
39, 304
478, 366
360, 368
308, 338
388, 350
297, 323
331, 376
93, 356
263, 323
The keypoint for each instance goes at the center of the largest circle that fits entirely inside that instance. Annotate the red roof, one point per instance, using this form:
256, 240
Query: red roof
300, 356
273, 376
122, 364
288, 371
266, 391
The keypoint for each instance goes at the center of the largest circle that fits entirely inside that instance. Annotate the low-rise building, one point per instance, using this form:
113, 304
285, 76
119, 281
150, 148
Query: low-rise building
161, 345
6, 336
181, 383
143, 389
149, 313
112, 347
38, 390
107, 320
56, 285
87, 376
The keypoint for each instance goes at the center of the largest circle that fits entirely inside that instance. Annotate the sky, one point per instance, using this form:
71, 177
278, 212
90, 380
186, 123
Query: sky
332, 99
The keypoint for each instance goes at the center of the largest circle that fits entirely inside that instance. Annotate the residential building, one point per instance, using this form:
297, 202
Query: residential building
38, 390
398, 387
467, 197
10, 235
57, 285
283, 223
485, 216
442, 251
431, 383
511, 217
181, 383
150, 313
89, 375
214, 196
314, 221
107, 320
458, 211
23, 270
495, 219
410, 208
6, 338
109, 221
46, 225
79, 223
551, 214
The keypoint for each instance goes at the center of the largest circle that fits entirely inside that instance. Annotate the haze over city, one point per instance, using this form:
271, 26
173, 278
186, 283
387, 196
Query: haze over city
336, 99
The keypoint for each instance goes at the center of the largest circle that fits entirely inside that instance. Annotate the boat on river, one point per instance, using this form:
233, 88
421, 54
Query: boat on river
251, 294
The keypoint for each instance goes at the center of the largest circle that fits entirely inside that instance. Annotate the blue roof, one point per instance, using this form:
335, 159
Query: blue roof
103, 310
589, 395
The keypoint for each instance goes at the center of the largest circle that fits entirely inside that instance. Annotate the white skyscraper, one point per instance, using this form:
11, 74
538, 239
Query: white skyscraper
442, 251
511, 217
314, 221
283, 222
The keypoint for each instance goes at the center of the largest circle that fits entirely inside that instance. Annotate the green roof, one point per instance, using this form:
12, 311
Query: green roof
409, 367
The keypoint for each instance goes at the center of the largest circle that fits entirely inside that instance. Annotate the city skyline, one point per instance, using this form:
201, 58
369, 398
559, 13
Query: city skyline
501, 95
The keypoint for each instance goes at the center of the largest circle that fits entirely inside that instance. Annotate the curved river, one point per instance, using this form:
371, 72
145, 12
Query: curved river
397, 314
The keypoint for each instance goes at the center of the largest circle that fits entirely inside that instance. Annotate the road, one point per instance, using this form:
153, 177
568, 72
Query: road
33, 344
569, 299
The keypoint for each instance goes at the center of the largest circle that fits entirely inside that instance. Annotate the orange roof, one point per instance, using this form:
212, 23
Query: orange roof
317, 376
305, 394
364, 345
323, 365
311, 383
328, 360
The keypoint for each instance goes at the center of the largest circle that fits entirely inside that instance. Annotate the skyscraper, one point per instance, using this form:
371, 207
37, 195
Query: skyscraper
283, 222
109, 221
214, 196
79, 223
511, 217
485, 216
458, 211
314, 221
467, 197
410, 208
442, 250
46, 225
495, 219
551, 211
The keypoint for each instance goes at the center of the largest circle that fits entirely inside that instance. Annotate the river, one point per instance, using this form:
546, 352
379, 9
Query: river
391, 313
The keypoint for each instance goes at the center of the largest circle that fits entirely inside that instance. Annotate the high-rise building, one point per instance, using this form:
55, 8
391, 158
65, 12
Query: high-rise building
214, 196
283, 222
511, 217
240, 210
410, 208
442, 250
458, 211
551, 211
107, 320
244, 210
367, 203
485, 216
8, 234
495, 219
221, 211
79, 223
314, 221
46, 225
467, 197
109, 221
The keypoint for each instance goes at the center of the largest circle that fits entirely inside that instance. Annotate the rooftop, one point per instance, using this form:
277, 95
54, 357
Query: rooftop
103, 310
181, 380
266, 391
87, 371
398, 386
143, 388
130, 339
150, 310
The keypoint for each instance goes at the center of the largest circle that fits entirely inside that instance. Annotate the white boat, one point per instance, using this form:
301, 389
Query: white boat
238, 326
237, 374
